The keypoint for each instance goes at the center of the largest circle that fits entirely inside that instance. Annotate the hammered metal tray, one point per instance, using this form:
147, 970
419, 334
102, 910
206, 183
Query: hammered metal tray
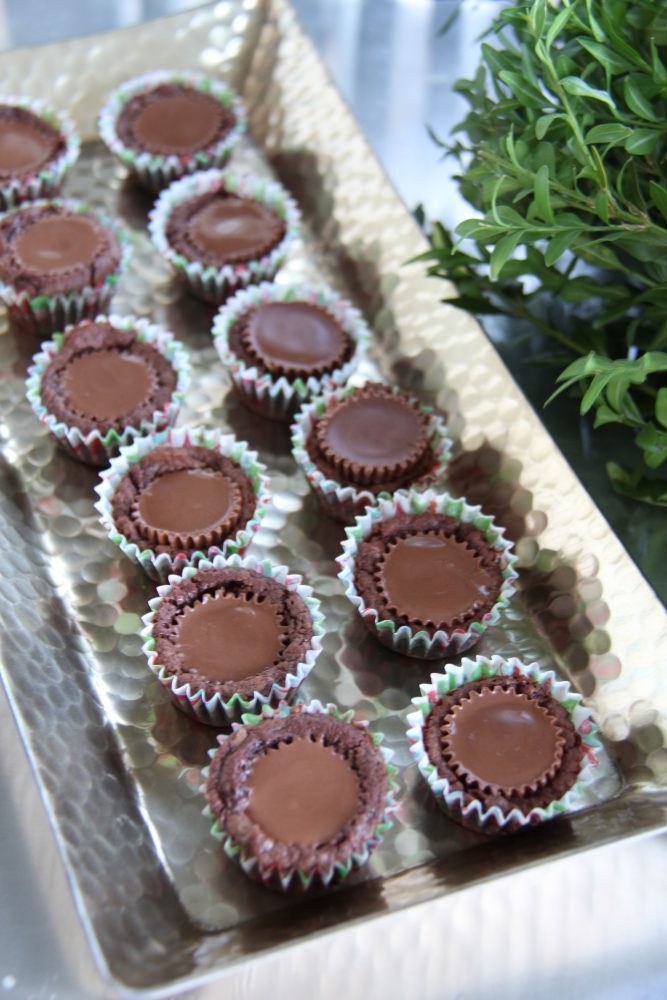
118, 766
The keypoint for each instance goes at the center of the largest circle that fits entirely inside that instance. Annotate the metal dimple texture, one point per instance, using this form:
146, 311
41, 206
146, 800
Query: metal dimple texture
121, 767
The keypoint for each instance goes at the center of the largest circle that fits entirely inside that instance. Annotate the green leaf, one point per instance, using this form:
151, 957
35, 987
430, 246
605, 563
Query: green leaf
538, 15
519, 88
661, 407
659, 195
605, 415
637, 100
503, 250
557, 26
542, 196
594, 390
558, 245
450, 21
609, 58
609, 132
652, 491
653, 442
579, 88
544, 123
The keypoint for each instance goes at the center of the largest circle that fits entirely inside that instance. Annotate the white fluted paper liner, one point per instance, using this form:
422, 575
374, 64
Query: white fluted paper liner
46, 314
49, 179
494, 819
275, 396
156, 170
95, 447
402, 638
215, 710
347, 502
159, 566
296, 878
208, 282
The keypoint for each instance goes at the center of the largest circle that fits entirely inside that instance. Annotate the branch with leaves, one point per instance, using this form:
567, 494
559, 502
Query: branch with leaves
564, 154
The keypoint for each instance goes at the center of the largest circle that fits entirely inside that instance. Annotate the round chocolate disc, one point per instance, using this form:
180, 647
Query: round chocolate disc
26, 142
57, 243
295, 336
302, 793
180, 123
233, 229
373, 431
227, 637
433, 577
192, 501
503, 739
106, 385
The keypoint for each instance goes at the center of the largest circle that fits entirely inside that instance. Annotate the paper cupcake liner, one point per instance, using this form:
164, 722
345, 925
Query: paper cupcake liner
215, 710
43, 315
274, 396
345, 503
208, 282
403, 639
49, 179
159, 566
494, 819
155, 170
296, 878
94, 447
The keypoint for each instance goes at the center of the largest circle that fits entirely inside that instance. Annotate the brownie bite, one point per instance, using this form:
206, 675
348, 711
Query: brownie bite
27, 143
301, 796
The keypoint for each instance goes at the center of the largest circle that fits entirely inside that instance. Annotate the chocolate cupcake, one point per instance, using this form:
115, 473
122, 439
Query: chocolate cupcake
104, 382
283, 344
231, 636
223, 231
427, 573
503, 745
180, 496
59, 263
355, 444
164, 125
37, 149
300, 797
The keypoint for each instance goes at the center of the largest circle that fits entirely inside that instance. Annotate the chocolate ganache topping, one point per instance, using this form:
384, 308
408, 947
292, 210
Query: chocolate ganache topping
298, 791
232, 631
428, 571
504, 740
174, 118
375, 438
294, 339
27, 142
181, 499
46, 249
219, 228
104, 377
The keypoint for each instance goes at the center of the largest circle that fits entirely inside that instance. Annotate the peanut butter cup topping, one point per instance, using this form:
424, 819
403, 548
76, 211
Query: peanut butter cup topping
302, 792
107, 385
502, 742
58, 243
294, 339
227, 637
174, 119
432, 578
193, 504
27, 142
373, 435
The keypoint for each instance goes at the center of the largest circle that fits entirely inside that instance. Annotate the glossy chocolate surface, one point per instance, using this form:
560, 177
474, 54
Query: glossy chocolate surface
57, 243
188, 500
27, 142
178, 123
302, 793
228, 637
502, 739
107, 385
295, 336
229, 227
433, 577
377, 431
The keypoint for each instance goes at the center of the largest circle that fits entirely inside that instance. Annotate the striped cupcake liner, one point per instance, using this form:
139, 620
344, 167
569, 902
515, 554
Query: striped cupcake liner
94, 447
295, 878
402, 638
208, 282
159, 566
155, 171
277, 397
345, 503
214, 709
468, 810
48, 181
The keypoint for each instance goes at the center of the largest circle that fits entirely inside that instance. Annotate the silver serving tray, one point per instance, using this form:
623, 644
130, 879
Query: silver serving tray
118, 766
